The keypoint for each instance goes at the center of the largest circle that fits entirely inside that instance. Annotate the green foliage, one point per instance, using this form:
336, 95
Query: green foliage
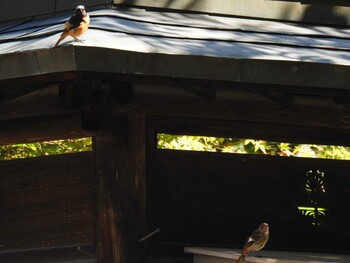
16, 151
194, 143
248, 146
184, 142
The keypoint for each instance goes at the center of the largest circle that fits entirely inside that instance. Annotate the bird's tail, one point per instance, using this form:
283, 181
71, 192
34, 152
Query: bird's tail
240, 258
244, 252
63, 36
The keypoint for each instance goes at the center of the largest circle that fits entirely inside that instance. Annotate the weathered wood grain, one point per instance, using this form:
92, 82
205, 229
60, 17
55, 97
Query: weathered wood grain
212, 198
121, 208
46, 202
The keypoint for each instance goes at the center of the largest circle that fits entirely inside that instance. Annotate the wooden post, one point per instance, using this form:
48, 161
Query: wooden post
121, 211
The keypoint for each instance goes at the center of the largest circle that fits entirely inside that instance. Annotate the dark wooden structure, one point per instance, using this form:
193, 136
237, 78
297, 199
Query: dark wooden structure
97, 206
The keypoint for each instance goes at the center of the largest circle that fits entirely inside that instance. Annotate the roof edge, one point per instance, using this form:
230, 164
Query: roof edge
122, 62
260, 71
37, 62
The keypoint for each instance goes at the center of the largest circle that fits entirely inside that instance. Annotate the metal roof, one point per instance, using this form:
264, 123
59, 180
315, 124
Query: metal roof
185, 45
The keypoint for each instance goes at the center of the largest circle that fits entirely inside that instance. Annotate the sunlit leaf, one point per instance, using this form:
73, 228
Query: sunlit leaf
16, 151
249, 146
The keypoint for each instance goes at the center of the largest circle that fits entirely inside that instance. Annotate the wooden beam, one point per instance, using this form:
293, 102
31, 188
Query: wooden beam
316, 76
42, 128
242, 105
44, 101
253, 130
122, 189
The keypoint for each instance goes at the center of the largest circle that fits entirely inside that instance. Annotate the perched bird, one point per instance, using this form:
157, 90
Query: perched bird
76, 25
256, 241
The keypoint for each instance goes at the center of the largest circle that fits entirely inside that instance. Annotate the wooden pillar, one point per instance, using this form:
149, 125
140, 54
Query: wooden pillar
121, 211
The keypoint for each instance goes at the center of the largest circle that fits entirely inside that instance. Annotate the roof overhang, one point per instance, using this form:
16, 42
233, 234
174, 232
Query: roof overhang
145, 43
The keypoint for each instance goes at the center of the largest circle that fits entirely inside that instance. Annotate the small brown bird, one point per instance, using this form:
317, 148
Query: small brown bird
256, 241
76, 25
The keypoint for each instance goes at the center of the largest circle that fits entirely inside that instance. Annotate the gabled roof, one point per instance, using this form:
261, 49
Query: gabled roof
183, 45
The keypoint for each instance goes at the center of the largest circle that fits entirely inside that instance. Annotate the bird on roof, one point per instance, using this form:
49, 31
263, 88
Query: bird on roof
76, 25
256, 241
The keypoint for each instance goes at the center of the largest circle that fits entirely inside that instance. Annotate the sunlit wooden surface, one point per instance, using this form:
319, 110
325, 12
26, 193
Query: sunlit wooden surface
221, 255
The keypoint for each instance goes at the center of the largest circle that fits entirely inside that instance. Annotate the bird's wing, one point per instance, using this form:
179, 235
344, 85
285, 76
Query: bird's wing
249, 243
257, 235
253, 238
72, 23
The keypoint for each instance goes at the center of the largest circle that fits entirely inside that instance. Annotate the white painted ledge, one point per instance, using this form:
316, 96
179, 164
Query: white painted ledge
220, 255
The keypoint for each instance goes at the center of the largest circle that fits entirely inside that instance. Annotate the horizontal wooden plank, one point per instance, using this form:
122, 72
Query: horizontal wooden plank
44, 128
46, 202
81, 254
262, 130
250, 112
13, 88
37, 116
43, 101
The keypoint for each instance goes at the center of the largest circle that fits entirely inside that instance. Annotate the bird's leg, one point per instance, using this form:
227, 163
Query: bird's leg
78, 40
257, 254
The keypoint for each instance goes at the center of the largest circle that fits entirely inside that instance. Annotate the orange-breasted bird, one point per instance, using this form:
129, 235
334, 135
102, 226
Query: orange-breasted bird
256, 241
76, 25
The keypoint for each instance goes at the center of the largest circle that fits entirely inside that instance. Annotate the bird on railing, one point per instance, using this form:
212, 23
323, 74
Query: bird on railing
256, 241
76, 25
